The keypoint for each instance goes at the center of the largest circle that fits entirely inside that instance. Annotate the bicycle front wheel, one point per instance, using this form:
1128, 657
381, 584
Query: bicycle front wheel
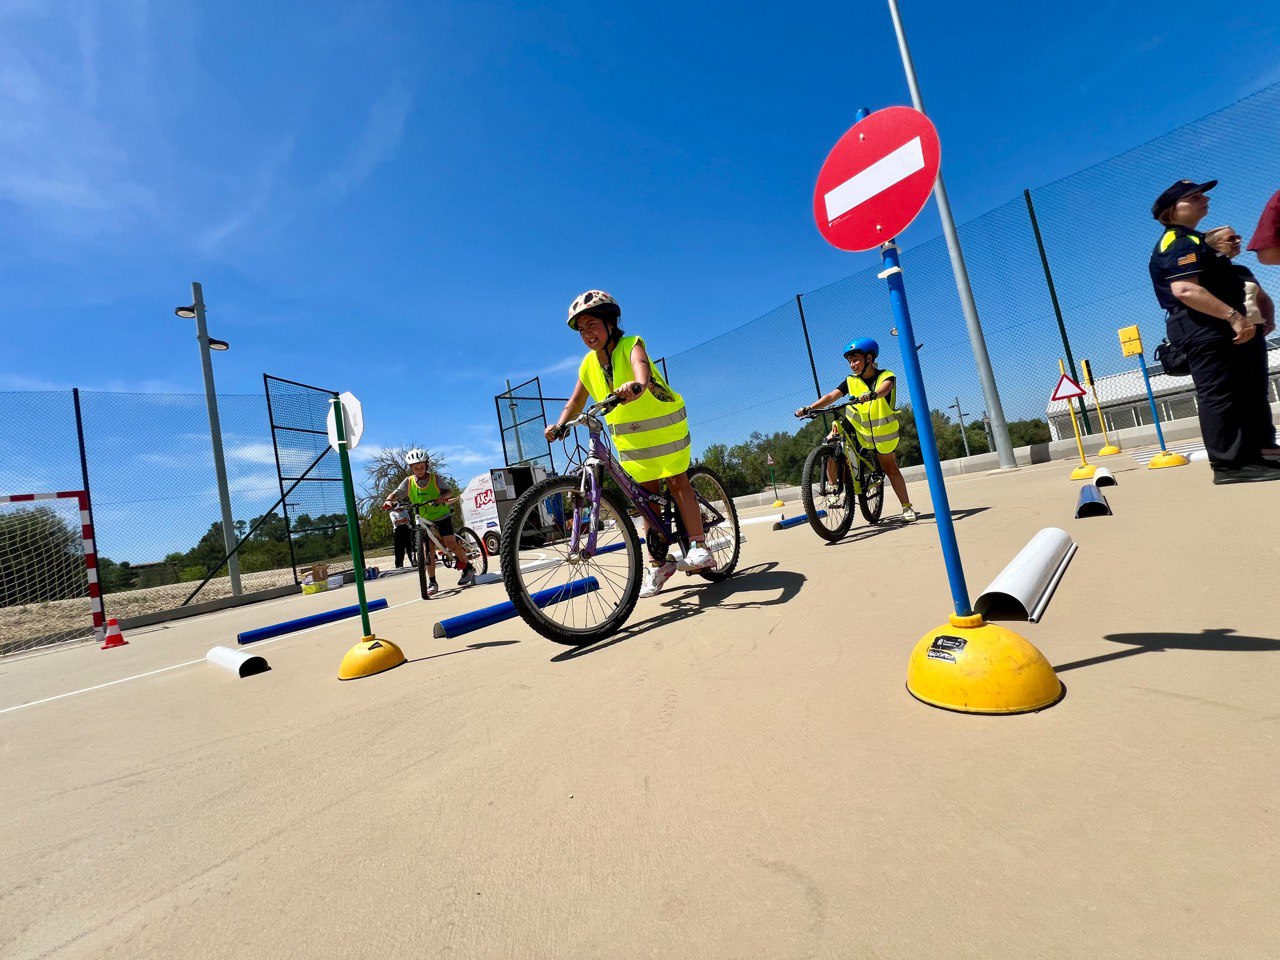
828, 503
476, 555
420, 547
545, 581
719, 522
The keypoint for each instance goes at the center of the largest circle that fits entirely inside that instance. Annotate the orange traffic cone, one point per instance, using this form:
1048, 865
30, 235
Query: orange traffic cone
114, 637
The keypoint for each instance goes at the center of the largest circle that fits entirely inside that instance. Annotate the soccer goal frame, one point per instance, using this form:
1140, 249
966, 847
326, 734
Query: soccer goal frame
90, 549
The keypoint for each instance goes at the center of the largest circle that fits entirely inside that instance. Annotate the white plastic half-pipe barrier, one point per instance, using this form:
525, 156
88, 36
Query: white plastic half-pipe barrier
1102, 477
1023, 589
240, 663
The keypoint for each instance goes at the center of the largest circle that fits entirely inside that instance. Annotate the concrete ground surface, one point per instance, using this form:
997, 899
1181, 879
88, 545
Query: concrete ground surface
739, 773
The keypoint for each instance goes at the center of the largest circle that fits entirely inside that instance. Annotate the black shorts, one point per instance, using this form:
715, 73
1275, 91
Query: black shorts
444, 525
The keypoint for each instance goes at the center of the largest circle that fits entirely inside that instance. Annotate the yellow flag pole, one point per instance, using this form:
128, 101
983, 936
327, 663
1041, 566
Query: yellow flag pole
1086, 470
1111, 449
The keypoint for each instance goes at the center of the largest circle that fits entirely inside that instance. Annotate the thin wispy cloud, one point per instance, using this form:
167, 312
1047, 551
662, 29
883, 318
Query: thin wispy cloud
378, 141
250, 208
62, 161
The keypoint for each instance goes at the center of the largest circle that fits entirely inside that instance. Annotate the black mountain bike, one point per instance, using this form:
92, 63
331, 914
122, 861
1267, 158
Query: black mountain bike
828, 486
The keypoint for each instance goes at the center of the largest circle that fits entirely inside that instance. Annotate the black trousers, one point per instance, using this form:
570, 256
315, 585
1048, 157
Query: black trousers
1226, 393
1262, 429
403, 539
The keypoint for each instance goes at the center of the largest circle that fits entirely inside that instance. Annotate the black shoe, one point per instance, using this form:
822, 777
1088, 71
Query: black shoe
1250, 473
1268, 464
468, 576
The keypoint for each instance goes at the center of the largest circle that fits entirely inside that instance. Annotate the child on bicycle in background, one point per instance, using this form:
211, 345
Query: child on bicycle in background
422, 489
649, 427
874, 414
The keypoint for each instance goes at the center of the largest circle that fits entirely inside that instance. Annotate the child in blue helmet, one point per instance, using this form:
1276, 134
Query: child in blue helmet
874, 415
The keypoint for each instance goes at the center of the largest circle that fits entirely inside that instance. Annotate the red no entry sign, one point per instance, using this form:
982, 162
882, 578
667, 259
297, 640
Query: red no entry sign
876, 179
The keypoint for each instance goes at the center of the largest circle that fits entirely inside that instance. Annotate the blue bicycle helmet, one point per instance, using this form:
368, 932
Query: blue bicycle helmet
862, 345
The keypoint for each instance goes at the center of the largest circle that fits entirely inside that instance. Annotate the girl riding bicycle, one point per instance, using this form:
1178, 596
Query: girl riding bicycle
422, 489
649, 428
874, 414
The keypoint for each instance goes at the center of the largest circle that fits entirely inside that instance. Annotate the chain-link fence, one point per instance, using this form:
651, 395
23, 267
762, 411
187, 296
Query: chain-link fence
1097, 232
157, 522
310, 475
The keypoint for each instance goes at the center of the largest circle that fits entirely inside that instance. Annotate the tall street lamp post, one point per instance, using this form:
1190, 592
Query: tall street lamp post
979, 344
196, 311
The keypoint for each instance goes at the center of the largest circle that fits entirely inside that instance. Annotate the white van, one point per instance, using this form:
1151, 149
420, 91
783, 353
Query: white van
480, 512
489, 497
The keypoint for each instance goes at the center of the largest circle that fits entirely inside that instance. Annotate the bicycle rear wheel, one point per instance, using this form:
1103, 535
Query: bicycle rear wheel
828, 505
871, 499
537, 565
476, 555
723, 532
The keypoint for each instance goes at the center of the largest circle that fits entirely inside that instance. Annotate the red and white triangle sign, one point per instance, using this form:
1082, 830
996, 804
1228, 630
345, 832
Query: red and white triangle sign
1067, 389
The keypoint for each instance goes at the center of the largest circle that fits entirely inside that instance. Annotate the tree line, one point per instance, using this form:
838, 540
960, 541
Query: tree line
744, 466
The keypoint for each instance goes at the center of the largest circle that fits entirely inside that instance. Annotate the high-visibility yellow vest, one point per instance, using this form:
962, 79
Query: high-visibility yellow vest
651, 433
422, 495
877, 418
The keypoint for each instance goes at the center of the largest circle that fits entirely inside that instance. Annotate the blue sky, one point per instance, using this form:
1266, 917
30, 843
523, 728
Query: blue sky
400, 199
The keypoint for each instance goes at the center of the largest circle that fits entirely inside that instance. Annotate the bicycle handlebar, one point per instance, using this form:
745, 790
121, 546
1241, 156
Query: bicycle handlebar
595, 410
814, 414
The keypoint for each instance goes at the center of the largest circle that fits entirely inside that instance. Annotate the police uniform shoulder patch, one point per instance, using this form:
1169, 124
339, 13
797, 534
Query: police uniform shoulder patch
1190, 258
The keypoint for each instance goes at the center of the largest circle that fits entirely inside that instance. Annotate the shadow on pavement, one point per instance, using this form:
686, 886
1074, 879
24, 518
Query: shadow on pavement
888, 524
1218, 638
470, 646
699, 596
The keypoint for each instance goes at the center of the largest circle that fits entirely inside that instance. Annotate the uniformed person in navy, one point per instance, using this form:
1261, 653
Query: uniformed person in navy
1205, 301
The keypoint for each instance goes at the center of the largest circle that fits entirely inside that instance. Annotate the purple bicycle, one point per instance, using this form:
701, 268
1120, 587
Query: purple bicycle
567, 531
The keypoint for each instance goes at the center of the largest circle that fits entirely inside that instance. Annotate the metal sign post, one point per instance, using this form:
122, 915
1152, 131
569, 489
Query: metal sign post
371, 655
872, 185
1131, 346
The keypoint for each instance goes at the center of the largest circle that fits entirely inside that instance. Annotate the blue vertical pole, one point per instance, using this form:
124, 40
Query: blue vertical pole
1155, 413
924, 424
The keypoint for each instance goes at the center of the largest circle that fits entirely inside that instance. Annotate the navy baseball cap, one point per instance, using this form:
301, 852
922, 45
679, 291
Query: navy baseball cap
1177, 192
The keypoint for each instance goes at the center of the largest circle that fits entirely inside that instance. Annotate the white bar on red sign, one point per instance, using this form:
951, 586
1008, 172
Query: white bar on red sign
877, 178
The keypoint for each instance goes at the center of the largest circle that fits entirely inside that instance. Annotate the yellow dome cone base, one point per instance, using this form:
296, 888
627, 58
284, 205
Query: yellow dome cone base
778, 503
1167, 459
368, 657
976, 667
1083, 472
1110, 450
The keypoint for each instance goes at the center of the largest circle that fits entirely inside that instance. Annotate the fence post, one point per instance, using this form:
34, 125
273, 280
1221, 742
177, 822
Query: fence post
804, 327
1057, 310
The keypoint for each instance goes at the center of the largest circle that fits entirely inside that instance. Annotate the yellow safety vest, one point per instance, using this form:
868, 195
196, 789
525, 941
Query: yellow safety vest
423, 495
877, 418
651, 433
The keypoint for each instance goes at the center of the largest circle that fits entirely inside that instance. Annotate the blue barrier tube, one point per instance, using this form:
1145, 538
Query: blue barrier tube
487, 616
315, 620
924, 427
1155, 414
1092, 503
784, 524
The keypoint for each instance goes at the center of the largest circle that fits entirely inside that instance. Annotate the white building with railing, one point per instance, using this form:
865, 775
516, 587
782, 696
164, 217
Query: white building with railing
1124, 398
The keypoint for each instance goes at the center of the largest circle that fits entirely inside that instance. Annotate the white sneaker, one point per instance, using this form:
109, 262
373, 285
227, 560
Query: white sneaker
655, 578
909, 515
699, 558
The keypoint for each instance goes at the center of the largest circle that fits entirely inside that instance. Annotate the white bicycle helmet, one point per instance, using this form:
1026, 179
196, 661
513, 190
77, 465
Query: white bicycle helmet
595, 301
416, 456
